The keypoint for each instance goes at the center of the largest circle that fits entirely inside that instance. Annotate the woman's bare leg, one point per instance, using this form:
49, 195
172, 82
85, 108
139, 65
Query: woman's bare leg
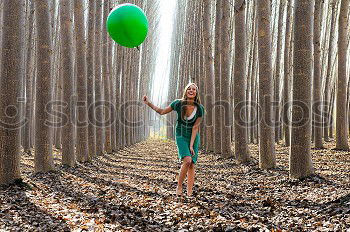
186, 163
190, 179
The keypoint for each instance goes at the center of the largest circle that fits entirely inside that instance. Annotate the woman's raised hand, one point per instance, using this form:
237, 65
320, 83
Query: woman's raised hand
145, 100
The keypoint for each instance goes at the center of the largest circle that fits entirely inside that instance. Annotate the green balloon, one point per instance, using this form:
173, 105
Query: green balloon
127, 25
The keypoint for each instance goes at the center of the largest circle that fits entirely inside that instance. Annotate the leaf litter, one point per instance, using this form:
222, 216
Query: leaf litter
134, 190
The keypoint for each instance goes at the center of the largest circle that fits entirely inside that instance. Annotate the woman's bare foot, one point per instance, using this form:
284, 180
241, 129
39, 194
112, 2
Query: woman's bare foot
178, 191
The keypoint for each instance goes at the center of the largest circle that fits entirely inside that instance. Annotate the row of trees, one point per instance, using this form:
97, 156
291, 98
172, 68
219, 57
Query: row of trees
268, 71
64, 83
280, 68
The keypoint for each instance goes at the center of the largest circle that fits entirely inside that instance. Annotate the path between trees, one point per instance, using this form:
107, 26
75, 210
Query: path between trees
134, 190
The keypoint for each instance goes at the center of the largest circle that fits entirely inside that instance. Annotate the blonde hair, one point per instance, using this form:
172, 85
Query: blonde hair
197, 100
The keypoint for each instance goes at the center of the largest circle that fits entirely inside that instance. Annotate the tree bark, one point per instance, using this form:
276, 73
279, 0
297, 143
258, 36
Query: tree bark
90, 62
342, 119
10, 83
209, 77
217, 80
29, 76
300, 156
98, 81
326, 97
59, 98
106, 78
225, 80
81, 74
317, 77
43, 132
278, 72
287, 76
68, 152
118, 55
267, 158
240, 122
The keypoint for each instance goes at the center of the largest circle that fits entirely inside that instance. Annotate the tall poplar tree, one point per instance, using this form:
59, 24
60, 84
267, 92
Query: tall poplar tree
317, 80
267, 156
342, 132
81, 74
98, 120
300, 156
241, 146
10, 87
43, 131
68, 140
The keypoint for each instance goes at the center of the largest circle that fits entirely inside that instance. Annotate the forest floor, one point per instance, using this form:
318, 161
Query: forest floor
133, 190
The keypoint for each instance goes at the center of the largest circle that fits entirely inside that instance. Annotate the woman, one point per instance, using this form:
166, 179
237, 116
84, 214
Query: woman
189, 116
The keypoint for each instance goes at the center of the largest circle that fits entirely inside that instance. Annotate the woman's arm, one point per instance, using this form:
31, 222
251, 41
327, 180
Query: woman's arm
195, 129
155, 108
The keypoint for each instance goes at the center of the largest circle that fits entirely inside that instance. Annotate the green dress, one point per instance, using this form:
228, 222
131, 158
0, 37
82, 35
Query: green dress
183, 131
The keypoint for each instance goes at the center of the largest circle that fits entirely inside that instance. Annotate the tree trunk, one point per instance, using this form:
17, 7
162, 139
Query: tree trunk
217, 65
250, 73
267, 157
10, 83
118, 55
112, 94
253, 104
56, 65
106, 78
29, 76
59, 98
209, 77
300, 156
317, 77
348, 100
225, 80
331, 111
43, 132
287, 76
278, 72
81, 74
326, 97
98, 81
90, 62
127, 93
177, 33
68, 152
240, 122
342, 119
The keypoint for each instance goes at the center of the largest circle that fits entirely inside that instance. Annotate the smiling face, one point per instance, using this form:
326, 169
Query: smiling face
191, 92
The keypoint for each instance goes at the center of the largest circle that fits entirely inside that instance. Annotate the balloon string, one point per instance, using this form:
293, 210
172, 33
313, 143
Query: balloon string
138, 48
